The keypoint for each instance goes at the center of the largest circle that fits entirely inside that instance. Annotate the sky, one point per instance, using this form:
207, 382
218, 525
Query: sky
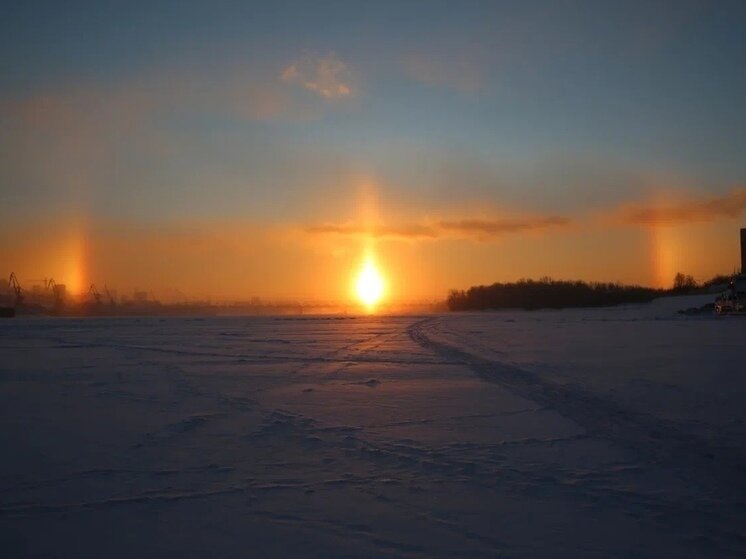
240, 149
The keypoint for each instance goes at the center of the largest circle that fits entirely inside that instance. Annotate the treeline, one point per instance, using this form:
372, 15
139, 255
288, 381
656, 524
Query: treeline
547, 293
687, 284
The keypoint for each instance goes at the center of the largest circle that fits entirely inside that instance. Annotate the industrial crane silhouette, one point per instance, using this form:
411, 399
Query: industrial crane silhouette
109, 295
15, 284
96, 295
58, 290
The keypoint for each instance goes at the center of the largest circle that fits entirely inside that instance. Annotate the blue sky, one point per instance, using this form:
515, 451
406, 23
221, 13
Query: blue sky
270, 112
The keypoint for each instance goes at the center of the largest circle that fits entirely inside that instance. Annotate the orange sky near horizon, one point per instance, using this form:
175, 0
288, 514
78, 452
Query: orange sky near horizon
231, 260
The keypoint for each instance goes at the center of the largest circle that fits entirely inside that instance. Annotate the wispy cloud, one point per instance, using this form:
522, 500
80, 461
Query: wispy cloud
474, 229
241, 93
327, 76
249, 92
66, 143
729, 206
497, 227
406, 231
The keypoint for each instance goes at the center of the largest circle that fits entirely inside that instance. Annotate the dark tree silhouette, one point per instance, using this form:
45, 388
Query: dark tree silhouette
682, 283
548, 293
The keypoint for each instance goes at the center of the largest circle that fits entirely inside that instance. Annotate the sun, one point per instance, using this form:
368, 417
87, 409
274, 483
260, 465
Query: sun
369, 285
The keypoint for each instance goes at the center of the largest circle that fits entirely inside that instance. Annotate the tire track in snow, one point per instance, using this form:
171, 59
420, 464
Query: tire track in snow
712, 506
712, 464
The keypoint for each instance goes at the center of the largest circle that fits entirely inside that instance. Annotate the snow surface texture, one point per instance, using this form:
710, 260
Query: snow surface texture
577, 433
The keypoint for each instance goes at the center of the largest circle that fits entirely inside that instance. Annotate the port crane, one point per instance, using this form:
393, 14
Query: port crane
16, 286
96, 295
109, 295
58, 290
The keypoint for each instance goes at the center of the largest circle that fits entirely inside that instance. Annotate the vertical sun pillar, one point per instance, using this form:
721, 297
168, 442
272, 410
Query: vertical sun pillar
369, 286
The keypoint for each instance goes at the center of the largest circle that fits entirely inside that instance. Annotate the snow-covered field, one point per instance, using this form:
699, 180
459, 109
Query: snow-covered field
577, 433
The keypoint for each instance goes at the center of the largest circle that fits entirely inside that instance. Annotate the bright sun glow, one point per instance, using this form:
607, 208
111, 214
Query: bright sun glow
369, 284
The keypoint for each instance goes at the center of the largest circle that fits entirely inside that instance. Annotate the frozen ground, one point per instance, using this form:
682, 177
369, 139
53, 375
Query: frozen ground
578, 433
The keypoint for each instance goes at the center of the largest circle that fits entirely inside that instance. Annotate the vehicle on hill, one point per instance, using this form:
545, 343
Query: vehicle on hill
733, 299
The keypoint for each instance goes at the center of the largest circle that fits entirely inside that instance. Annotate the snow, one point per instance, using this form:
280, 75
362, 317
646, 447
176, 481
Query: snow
576, 433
